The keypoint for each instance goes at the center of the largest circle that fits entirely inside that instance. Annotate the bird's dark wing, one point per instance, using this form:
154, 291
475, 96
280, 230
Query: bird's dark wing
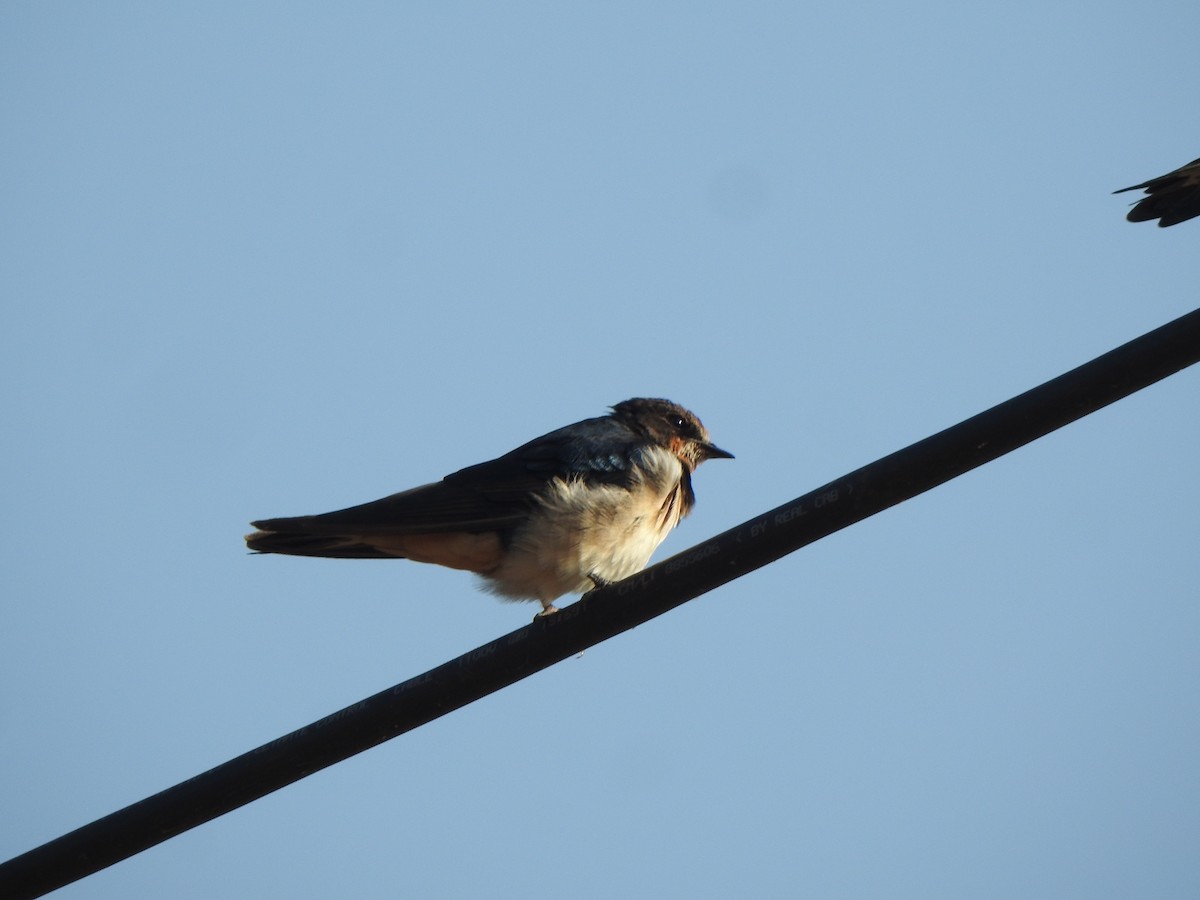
491, 496
1173, 198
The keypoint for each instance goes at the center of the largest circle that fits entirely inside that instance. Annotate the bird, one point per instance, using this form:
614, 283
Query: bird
1172, 198
575, 509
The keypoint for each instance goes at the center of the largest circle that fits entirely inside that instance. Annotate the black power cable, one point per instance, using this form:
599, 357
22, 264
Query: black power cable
605, 613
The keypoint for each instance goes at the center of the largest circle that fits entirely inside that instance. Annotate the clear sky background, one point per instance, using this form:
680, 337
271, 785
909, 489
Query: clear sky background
267, 259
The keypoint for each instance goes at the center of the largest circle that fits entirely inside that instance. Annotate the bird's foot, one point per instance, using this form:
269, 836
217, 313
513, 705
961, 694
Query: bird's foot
598, 581
547, 610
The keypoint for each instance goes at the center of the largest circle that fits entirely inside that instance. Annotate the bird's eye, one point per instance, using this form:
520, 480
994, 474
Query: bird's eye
676, 422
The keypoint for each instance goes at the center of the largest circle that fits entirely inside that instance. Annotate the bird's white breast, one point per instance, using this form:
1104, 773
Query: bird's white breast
582, 530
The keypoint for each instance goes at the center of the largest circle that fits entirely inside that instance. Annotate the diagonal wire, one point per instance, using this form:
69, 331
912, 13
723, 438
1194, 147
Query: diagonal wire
607, 612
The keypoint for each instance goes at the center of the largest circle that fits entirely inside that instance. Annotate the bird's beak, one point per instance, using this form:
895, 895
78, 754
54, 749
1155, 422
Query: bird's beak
712, 451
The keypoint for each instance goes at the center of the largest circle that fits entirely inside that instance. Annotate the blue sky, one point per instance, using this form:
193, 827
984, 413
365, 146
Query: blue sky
266, 259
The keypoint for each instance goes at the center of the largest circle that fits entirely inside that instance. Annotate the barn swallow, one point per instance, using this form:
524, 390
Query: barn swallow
1173, 198
577, 508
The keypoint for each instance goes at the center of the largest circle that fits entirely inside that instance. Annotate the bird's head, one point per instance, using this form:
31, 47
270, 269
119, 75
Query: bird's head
672, 426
